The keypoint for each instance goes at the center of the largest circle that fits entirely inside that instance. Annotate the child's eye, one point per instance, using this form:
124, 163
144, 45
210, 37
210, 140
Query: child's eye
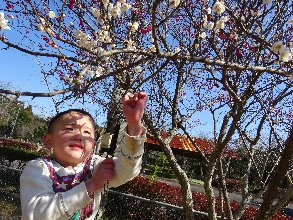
68, 129
87, 132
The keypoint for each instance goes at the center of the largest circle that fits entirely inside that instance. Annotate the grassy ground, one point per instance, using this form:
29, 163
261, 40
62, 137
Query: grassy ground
9, 194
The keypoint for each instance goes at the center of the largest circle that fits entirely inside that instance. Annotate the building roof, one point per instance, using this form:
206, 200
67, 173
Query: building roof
181, 142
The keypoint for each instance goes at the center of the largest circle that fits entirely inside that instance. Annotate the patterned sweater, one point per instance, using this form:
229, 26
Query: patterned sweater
39, 201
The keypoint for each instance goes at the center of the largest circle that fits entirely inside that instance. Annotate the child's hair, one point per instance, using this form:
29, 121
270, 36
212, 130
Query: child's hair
60, 114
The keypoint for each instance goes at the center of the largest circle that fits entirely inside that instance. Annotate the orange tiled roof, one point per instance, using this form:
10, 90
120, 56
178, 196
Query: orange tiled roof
183, 143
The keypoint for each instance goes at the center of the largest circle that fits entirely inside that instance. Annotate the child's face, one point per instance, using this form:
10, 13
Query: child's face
72, 138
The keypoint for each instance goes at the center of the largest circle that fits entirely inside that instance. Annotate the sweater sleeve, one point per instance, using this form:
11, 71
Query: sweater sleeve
128, 158
39, 201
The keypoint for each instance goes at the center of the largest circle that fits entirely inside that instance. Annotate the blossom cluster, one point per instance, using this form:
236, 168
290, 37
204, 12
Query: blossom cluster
114, 11
3, 22
285, 54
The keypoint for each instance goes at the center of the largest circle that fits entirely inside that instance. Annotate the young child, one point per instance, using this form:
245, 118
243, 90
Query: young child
68, 185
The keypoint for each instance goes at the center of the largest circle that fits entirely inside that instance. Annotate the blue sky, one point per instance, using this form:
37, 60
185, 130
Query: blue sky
22, 72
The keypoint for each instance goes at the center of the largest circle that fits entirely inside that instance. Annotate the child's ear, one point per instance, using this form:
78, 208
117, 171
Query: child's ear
47, 141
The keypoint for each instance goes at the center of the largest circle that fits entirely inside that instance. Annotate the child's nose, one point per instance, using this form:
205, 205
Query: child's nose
78, 135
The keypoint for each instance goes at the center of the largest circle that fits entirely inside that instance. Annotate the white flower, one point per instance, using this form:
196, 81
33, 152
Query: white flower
99, 71
205, 20
68, 78
285, 55
209, 10
51, 14
220, 24
278, 47
219, 7
203, 35
96, 12
211, 25
3, 22
116, 12
224, 18
108, 39
125, 7
43, 21
177, 50
152, 48
267, 1
41, 27
174, 3
109, 16
100, 50
49, 31
134, 26
105, 2
137, 69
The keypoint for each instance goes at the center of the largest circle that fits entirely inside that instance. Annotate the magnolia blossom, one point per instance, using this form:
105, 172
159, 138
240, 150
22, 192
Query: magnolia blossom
285, 55
3, 22
267, 1
219, 7
51, 14
278, 47
174, 3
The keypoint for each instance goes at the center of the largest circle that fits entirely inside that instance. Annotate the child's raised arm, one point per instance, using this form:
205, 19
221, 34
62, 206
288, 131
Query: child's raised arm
133, 109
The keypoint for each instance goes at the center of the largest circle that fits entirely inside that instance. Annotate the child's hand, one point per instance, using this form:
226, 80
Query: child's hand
105, 171
133, 109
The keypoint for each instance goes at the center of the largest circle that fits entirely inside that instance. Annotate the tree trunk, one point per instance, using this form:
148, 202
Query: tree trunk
277, 177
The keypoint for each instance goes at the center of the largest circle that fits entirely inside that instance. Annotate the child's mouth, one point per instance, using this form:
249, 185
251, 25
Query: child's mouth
76, 146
